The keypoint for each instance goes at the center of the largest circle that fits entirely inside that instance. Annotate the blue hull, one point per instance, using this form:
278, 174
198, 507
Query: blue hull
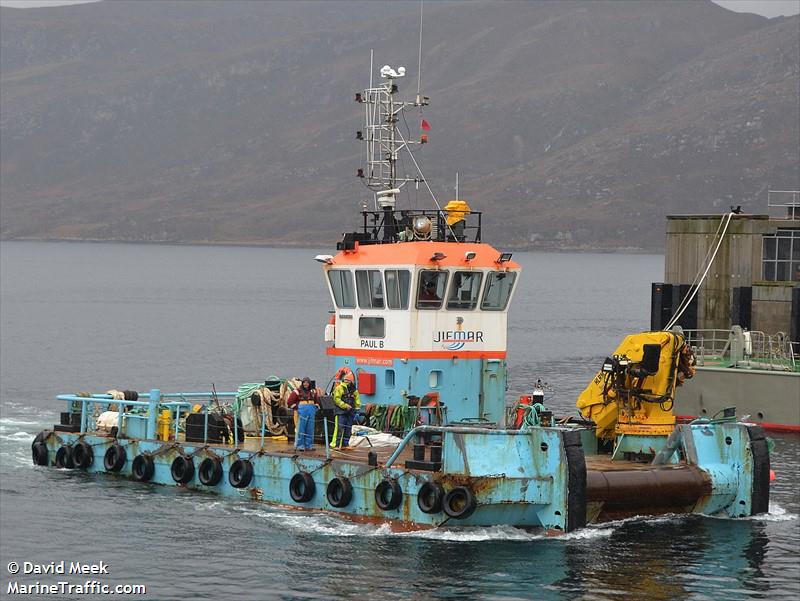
535, 478
531, 492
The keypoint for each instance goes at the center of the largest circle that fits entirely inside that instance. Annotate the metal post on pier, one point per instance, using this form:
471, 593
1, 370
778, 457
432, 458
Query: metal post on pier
152, 413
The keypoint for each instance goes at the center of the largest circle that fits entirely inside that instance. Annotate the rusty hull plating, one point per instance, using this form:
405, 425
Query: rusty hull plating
539, 477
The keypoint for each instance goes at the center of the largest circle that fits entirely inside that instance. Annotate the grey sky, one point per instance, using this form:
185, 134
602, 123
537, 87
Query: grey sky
767, 8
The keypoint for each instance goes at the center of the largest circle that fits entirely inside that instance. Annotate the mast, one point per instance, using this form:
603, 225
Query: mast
384, 142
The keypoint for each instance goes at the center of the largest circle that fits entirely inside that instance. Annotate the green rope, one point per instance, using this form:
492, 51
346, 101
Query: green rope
531, 417
378, 417
244, 393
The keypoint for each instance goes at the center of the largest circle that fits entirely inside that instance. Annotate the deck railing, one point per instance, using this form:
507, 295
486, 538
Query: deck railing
787, 199
739, 348
180, 405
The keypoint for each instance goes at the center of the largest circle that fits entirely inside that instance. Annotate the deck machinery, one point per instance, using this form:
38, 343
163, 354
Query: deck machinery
420, 320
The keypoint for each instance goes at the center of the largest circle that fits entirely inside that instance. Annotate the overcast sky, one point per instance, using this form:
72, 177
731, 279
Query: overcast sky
767, 8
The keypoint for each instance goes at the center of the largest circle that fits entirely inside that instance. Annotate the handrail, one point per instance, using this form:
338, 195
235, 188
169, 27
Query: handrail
752, 349
376, 229
153, 402
146, 395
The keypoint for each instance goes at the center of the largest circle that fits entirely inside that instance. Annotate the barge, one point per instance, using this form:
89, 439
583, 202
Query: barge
419, 326
744, 321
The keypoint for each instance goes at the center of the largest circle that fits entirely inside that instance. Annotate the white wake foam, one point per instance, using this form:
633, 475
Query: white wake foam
331, 525
17, 436
776, 514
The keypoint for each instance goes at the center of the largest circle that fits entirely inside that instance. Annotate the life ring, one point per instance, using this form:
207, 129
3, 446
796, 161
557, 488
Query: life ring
241, 473
430, 496
40, 453
182, 469
302, 487
388, 494
64, 458
115, 458
339, 492
459, 503
142, 468
344, 373
82, 455
210, 472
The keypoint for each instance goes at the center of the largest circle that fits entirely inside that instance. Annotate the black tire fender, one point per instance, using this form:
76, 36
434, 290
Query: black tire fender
210, 471
339, 492
142, 468
302, 487
388, 494
430, 497
182, 469
459, 503
759, 497
576, 480
41, 455
82, 455
64, 458
115, 458
241, 473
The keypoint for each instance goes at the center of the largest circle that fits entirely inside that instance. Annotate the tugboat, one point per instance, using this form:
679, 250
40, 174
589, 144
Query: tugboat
419, 326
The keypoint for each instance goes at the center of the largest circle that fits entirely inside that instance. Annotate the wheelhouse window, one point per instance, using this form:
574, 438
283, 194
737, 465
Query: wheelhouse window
464, 290
342, 287
431, 290
398, 282
498, 290
371, 327
369, 283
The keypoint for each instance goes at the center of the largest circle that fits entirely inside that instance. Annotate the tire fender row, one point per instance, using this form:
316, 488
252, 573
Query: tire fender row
458, 503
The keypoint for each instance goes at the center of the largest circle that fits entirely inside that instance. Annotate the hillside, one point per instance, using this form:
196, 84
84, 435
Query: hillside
574, 124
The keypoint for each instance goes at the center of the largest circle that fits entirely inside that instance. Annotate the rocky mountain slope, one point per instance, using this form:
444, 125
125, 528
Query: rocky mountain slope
572, 124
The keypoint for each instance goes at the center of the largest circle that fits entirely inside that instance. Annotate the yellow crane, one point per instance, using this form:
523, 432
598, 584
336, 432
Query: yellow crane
632, 394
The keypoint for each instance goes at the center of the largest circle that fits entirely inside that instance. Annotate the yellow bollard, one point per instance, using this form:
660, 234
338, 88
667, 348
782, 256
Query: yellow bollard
164, 423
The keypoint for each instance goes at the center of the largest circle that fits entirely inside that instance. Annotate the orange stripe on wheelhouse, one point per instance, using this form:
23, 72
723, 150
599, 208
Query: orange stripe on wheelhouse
389, 354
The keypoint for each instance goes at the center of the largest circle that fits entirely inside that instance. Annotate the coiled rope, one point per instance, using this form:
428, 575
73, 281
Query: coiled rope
530, 418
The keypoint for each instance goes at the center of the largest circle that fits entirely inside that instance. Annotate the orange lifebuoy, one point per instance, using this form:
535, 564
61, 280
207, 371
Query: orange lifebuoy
345, 373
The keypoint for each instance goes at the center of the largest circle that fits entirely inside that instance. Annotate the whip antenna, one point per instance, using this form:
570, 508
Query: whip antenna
419, 64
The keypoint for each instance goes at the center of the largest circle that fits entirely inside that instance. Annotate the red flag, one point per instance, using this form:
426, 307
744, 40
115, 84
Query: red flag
425, 125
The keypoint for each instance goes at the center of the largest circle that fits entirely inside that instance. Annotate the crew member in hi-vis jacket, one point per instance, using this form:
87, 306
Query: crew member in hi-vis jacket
347, 401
